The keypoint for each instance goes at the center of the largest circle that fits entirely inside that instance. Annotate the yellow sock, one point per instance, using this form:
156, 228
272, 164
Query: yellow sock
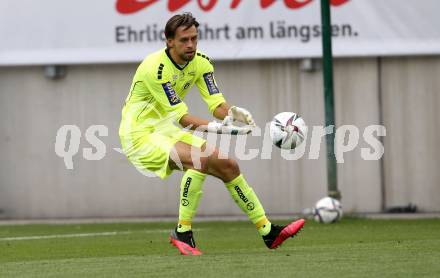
190, 195
248, 202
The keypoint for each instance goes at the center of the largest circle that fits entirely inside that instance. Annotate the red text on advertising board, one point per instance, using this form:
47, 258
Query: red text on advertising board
133, 6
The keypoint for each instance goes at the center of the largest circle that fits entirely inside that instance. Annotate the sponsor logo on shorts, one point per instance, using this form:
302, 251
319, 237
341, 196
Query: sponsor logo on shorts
210, 83
172, 96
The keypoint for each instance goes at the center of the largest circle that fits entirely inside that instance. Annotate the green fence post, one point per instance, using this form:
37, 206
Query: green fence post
328, 99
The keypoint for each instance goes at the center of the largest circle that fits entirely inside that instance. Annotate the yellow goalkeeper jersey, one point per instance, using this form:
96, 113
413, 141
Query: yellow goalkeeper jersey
158, 90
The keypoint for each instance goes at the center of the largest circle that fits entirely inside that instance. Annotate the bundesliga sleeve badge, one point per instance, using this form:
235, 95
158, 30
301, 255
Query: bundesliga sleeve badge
210, 83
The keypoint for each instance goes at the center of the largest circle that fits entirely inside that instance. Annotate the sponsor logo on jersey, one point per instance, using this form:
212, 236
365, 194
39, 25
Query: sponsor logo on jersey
159, 71
210, 83
172, 96
186, 86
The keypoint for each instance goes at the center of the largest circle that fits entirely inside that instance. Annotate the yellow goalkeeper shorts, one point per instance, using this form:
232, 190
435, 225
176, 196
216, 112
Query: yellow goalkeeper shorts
150, 151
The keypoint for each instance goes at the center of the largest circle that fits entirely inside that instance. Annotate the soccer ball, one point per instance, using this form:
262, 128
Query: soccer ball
287, 130
327, 210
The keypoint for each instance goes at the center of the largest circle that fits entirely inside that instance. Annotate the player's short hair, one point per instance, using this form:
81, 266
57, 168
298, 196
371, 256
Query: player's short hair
186, 20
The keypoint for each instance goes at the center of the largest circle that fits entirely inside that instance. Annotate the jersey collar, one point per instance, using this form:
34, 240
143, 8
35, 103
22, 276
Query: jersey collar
167, 51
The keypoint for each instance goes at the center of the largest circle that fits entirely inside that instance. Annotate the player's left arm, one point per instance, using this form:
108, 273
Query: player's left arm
221, 111
228, 113
217, 105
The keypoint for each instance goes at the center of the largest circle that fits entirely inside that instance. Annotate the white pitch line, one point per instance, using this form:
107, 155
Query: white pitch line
79, 235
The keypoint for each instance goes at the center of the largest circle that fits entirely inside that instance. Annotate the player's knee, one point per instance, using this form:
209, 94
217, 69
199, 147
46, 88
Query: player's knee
225, 169
201, 165
231, 165
228, 168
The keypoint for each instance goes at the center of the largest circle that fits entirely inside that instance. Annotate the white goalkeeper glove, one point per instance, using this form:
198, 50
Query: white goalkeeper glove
224, 128
239, 114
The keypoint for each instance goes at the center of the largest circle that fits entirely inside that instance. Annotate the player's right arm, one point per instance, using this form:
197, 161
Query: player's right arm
193, 122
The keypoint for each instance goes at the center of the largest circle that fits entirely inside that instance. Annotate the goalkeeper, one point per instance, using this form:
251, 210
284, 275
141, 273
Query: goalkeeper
152, 141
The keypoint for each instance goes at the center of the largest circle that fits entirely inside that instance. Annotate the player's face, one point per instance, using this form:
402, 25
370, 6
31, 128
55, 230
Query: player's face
184, 45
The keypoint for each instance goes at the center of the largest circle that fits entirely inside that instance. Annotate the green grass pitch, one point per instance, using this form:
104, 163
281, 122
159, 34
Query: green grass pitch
351, 248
